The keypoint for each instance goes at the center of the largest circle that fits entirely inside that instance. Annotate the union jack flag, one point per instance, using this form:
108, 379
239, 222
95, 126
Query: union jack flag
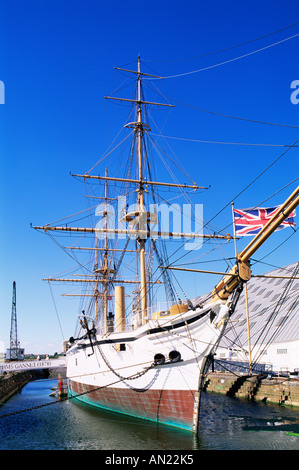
251, 221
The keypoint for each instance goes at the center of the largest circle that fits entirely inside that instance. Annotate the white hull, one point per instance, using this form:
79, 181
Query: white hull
124, 380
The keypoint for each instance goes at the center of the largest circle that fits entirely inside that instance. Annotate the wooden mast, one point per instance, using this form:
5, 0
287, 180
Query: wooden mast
138, 219
102, 269
106, 263
141, 241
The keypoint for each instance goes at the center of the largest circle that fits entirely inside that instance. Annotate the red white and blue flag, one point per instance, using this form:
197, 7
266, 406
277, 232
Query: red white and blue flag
251, 221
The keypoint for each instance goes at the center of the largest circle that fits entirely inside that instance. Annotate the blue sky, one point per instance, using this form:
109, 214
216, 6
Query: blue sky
56, 62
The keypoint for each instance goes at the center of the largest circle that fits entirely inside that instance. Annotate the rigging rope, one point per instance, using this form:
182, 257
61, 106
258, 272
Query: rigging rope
222, 143
56, 311
255, 121
226, 49
227, 61
229, 203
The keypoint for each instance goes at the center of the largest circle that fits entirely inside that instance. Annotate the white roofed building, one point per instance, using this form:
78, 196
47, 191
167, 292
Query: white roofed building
273, 305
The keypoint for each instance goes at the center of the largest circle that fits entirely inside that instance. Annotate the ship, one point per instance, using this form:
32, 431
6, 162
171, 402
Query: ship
138, 351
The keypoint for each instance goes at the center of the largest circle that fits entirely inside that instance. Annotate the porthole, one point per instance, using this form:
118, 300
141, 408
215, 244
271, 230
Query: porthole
159, 359
174, 356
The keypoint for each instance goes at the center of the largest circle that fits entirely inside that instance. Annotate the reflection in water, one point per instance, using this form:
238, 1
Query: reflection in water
225, 423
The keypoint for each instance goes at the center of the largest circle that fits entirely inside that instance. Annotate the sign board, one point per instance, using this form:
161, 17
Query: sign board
29, 365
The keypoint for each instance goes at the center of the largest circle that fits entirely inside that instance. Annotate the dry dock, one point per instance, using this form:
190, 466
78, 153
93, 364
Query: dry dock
13, 383
278, 390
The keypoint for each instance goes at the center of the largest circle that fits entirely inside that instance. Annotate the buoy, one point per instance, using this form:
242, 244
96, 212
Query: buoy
61, 389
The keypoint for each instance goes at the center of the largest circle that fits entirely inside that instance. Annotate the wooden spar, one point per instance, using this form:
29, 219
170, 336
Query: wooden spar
100, 295
141, 181
139, 233
139, 101
100, 197
177, 268
80, 295
98, 249
140, 73
121, 281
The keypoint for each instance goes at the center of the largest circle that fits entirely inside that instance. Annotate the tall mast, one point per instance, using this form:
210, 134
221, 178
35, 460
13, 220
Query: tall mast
96, 285
106, 262
139, 130
140, 218
141, 241
102, 270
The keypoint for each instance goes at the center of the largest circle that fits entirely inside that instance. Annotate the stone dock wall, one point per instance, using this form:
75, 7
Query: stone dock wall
13, 382
278, 390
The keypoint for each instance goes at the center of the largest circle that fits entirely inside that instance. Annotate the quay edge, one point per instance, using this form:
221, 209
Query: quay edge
276, 390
